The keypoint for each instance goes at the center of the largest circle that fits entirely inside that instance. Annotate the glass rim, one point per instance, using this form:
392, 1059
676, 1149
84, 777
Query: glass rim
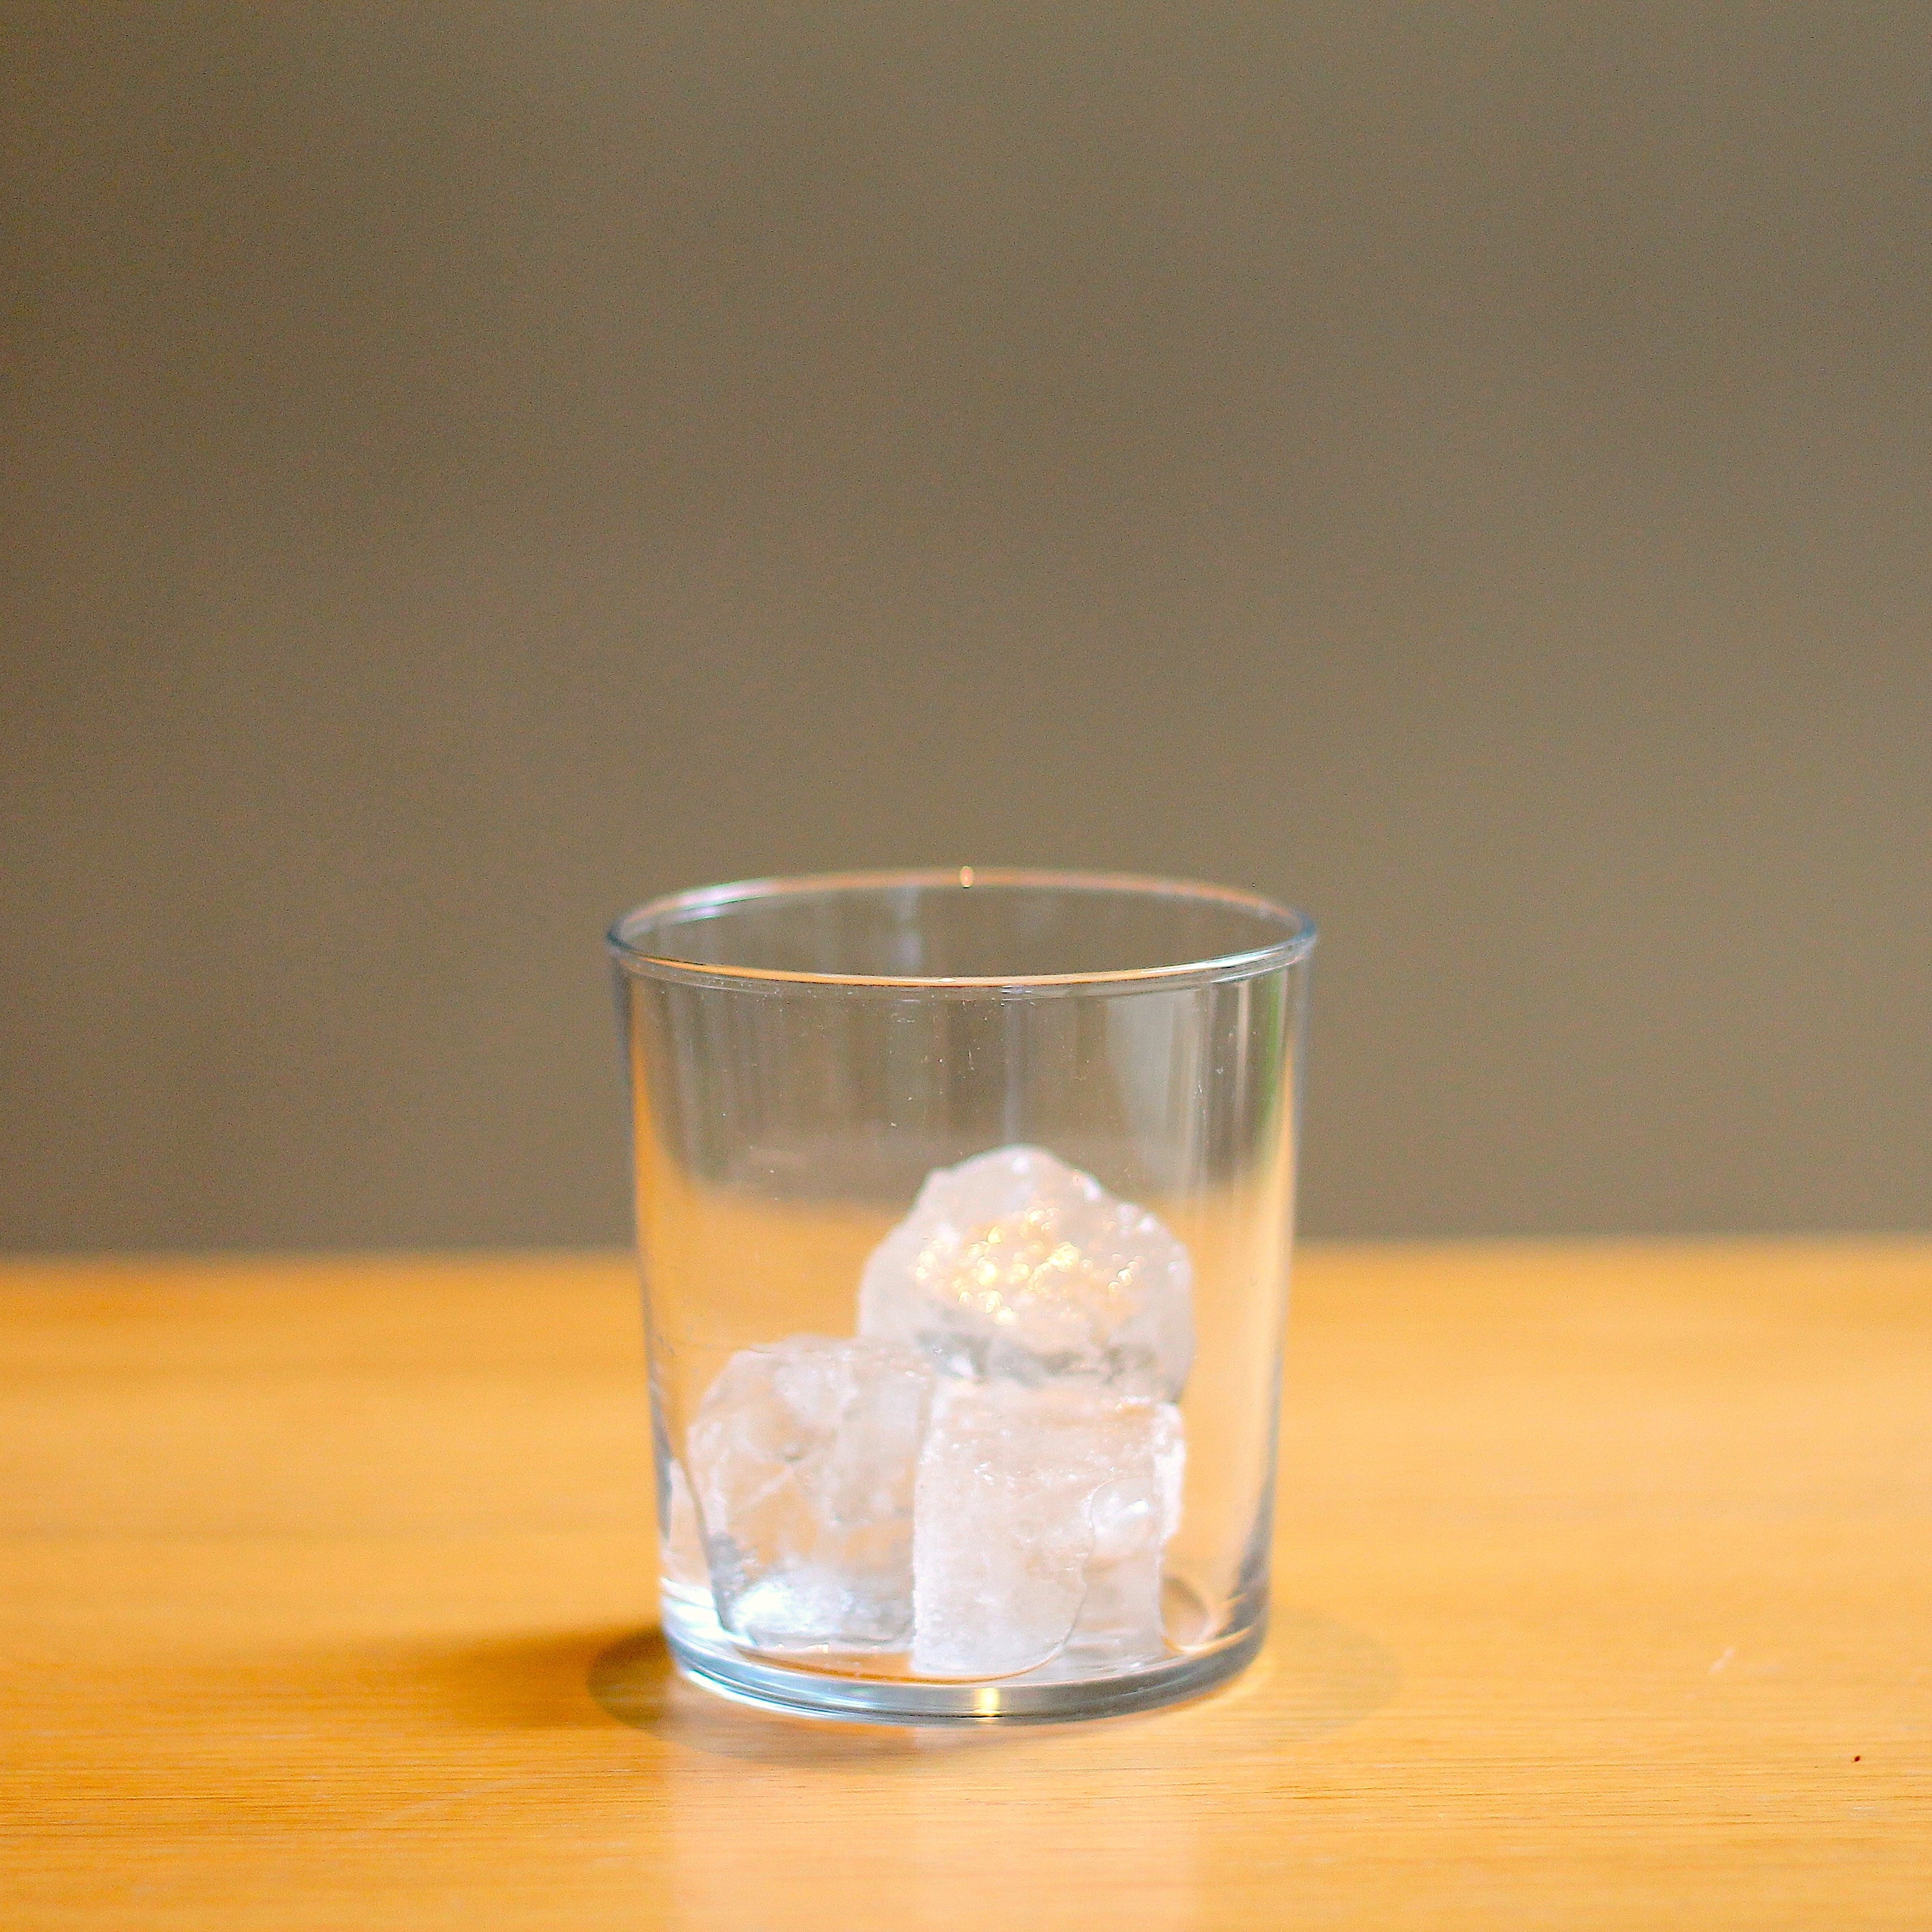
1296, 939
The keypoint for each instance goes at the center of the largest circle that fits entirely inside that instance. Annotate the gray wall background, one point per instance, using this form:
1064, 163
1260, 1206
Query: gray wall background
1467, 469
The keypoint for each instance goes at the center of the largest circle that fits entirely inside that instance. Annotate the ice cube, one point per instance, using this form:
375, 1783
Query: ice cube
801, 1459
1039, 1517
680, 1542
1014, 1264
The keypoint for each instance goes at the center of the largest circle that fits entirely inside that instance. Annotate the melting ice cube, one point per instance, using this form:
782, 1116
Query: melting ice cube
801, 1459
680, 1541
1014, 1264
1041, 1513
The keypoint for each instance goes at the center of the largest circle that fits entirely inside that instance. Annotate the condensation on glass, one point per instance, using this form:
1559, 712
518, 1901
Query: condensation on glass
964, 1206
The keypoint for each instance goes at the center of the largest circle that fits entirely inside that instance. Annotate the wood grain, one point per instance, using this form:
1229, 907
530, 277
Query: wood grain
1605, 1590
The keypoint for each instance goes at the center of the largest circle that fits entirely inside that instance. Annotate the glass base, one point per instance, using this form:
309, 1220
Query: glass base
708, 1656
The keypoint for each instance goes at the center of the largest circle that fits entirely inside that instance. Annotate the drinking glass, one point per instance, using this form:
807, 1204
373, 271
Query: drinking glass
964, 1203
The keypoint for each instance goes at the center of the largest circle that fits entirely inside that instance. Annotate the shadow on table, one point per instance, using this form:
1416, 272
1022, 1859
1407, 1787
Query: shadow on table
1315, 1675
531, 1681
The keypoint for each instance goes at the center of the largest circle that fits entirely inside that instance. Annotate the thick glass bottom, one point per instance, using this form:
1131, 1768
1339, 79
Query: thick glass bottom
707, 1656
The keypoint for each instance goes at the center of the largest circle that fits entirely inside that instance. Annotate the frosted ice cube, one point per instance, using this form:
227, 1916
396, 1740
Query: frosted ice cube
801, 1459
1014, 1264
1039, 1517
681, 1543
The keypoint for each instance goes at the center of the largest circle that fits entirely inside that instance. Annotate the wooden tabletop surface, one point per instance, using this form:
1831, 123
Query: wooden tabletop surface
1604, 1598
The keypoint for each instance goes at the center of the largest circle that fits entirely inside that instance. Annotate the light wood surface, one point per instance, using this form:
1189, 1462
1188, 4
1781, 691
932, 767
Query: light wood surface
1604, 1597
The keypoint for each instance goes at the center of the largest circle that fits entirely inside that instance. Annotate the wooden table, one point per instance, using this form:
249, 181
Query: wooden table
1604, 1599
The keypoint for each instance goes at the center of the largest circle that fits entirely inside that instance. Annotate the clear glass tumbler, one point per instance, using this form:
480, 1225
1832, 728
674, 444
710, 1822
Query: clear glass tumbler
964, 1207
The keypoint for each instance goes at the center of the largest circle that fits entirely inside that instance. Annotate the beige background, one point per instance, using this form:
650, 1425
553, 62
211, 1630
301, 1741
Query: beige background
1466, 469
